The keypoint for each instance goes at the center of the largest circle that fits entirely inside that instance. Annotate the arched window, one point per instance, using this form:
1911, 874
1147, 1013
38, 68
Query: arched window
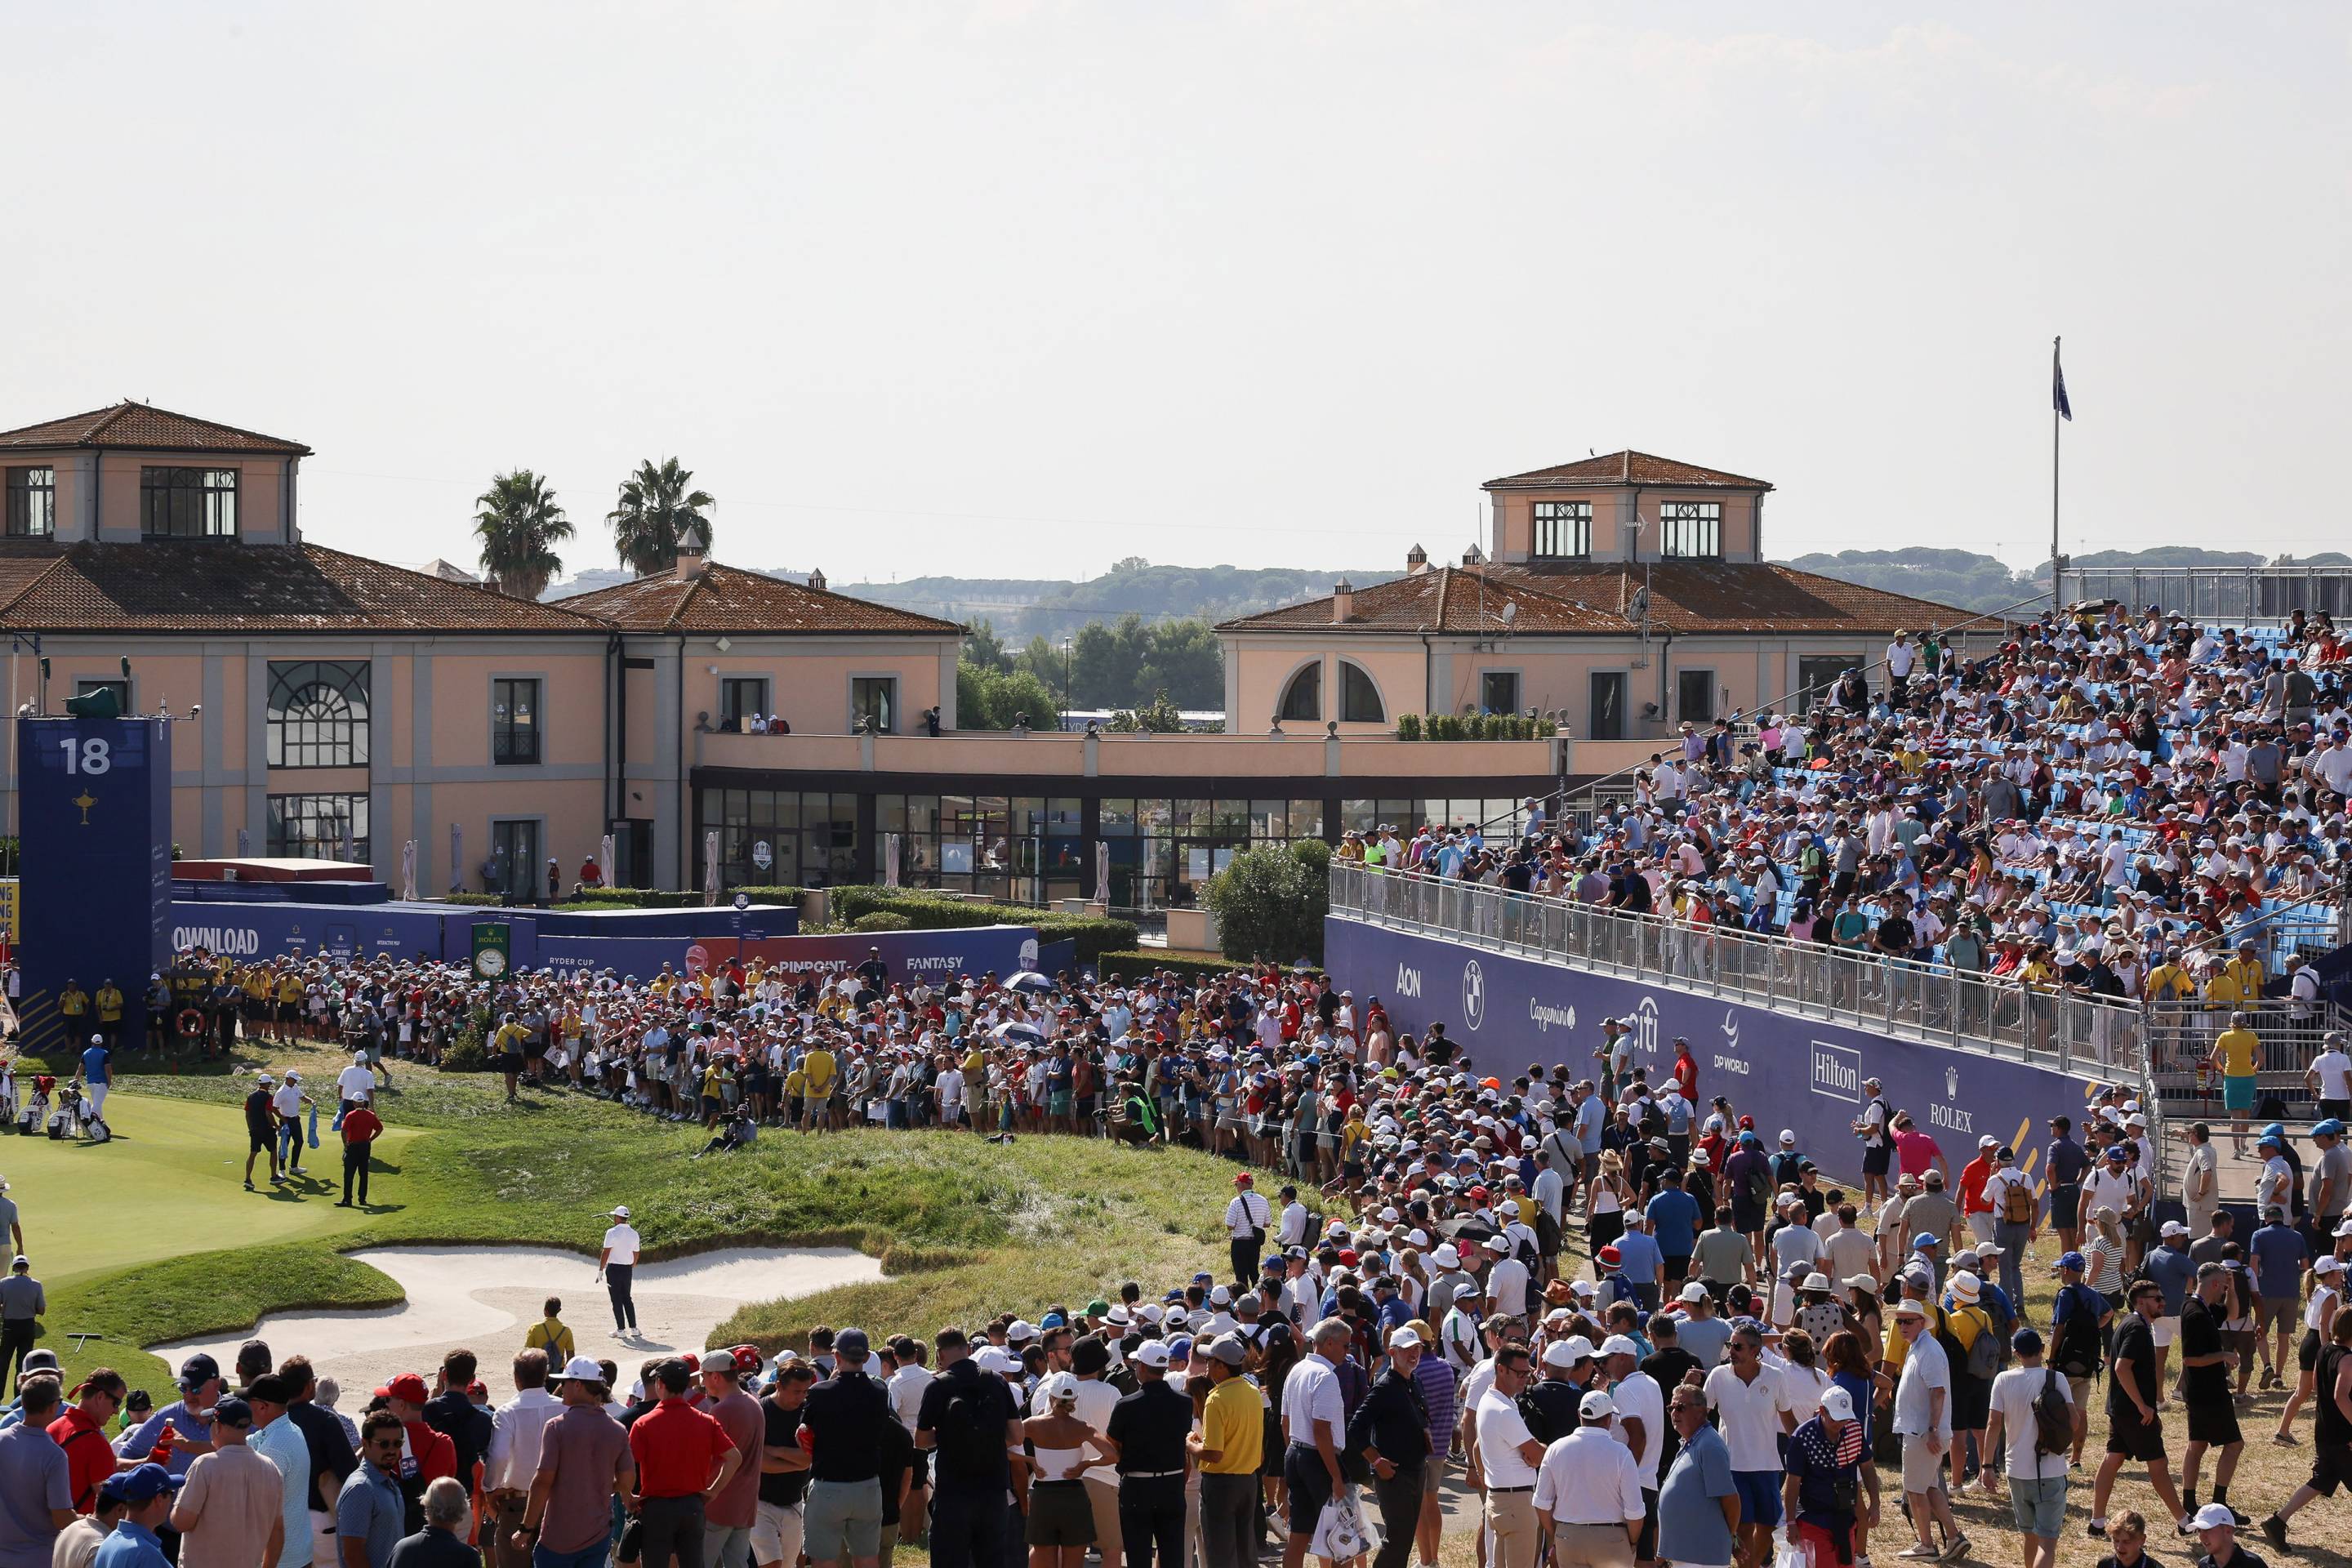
1303, 698
1359, 700
317, 715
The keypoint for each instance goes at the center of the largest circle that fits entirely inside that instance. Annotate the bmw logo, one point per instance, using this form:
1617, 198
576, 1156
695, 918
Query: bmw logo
1474, 994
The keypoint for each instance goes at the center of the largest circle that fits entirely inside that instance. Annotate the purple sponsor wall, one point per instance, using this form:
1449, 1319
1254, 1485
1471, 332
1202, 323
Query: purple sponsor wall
1798, 1073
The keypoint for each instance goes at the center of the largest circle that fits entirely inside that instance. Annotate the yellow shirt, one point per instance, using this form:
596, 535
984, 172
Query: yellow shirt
1233, 1423
2237, 1050
795, 1084
109, 1004
2224, 990
289, 989
2248, 974
73, 1002
2166, 983
818, 1069
1891, 1355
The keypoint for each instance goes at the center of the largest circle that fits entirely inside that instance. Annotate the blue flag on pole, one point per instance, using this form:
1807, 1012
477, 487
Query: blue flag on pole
2058, 388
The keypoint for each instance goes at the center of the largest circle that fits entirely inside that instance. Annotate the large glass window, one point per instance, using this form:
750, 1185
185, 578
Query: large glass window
873, 698
187, 503
514, 720
318, 714
739, 697
1498, 691
1302, 699
1694, 695
1563, 530
1359, 700
1690, 530
318, 827
32, 503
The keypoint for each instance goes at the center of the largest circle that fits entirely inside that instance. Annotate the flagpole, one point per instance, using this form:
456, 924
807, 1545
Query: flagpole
2057, 599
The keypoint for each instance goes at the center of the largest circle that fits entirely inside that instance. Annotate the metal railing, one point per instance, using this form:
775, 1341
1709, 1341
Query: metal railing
2068, 1031
2220, 594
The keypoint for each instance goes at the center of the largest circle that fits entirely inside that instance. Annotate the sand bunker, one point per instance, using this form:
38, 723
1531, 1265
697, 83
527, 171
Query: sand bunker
486, 1298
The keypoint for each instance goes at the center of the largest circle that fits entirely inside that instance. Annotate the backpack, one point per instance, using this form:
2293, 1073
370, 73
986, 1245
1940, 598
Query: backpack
2053, 1419
1984, 1350
1547, 1232
2077, 1352
1760, 1188
1526, 1251
2016, 1202
964, 1449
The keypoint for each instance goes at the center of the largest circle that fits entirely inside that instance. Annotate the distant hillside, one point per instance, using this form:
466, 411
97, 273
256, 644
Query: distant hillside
1972, 582
1023, 607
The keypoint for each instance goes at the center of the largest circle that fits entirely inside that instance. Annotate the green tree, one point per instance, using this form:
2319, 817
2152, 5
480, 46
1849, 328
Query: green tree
992, 698
983, 647
1160, 717
657, 514
1187, 662
1269, 901
519, 526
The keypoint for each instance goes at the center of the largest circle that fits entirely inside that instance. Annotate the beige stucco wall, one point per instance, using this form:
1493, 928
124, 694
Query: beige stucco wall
808, 678
1515, 519
1257, 680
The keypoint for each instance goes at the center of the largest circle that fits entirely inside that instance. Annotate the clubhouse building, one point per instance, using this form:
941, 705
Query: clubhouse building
336, 707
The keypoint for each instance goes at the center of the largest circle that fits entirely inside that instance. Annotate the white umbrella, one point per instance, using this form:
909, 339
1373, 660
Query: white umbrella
1029, 980
1017, 1034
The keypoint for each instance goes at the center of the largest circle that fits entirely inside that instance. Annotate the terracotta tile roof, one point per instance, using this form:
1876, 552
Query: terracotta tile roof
144, 425
165, 586
1689, 597
1628, 467
730, 599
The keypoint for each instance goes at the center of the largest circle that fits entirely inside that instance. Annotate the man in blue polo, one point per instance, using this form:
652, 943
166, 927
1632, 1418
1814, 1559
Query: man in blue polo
146, 1492
95, 1076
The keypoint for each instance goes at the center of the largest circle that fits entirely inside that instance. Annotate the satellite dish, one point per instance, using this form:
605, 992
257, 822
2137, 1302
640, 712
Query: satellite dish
1510, 611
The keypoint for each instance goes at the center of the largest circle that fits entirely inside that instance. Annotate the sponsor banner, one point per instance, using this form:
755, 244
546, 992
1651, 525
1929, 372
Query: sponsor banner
246, 931
932, 955
710, 922
493, 950
1803, 1074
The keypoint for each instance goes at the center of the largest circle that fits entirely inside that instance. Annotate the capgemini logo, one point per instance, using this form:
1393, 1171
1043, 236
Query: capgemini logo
1474, 994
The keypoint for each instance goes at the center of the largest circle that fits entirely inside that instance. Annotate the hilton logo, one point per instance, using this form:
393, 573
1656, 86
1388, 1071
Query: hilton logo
1837, 1072
1474, 994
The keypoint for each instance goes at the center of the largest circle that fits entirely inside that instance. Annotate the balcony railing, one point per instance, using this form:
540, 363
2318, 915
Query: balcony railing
2070, 1032
2220, 594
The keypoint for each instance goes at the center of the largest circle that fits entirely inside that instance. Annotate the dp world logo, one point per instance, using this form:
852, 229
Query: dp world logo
1474, 994
1951, 1083
1730, 1029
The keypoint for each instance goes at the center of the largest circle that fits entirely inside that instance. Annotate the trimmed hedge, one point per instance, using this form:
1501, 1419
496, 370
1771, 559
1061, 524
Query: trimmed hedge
774, 895
935, 911
1134, 965
882, 919
631, 898
474, 901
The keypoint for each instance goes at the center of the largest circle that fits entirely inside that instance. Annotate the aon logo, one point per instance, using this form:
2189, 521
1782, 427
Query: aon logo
1408, 981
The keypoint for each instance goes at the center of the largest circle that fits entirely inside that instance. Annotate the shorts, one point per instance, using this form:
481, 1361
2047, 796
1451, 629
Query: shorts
262, 1141
1678, 1267
2331, 1467
2238, 1093
1875, 1161
1645, 1547
1308, 1486
2306, 1354
1060, 1515
2038, 1505
2165, 1329
1760, 1496
1922, 1471
1057, 1105
2270, 1308
2133, 1439
2065, 1207
776, 1534
839, 1516
2213, 1422
1432, 1476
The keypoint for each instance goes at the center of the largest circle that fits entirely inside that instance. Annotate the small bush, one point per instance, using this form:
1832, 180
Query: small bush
1269, 901
469, 1053
882, 919
774, 895
474, 901
1134, 965
935, 911
1408, 727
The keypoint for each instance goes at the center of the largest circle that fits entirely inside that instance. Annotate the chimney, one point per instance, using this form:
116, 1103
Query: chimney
693, 554
1473, 556
1416, 562
816, 580
1343, 601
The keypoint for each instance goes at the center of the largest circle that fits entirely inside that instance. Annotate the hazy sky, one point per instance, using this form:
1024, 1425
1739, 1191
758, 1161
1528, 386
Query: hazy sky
1018, 288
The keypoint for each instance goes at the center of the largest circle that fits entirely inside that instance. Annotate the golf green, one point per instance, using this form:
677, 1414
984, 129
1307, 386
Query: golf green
171, 1181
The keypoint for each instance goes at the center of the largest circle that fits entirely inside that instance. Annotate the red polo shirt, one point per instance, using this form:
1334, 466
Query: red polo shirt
675, 1446
90, 1458
361, 1125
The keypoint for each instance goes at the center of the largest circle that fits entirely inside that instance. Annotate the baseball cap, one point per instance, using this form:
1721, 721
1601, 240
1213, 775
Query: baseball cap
1924, 1240
232, 1411
409, 1386
2213, 1516
1694, 1291
1596, 1405
199, 1369
582, 1369
852, 1342
1233, 1352
622, 1212
1404, 1339
1837, 1404
719, 1360
1618, 1344
2172, 1227
1152, 1354
144, 1484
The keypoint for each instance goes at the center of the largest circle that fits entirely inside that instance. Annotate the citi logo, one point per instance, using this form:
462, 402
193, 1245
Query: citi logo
1645, 1026
1408, 982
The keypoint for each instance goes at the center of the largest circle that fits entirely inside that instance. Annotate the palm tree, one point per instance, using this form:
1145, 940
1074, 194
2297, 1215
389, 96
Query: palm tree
657, 514
519, 525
